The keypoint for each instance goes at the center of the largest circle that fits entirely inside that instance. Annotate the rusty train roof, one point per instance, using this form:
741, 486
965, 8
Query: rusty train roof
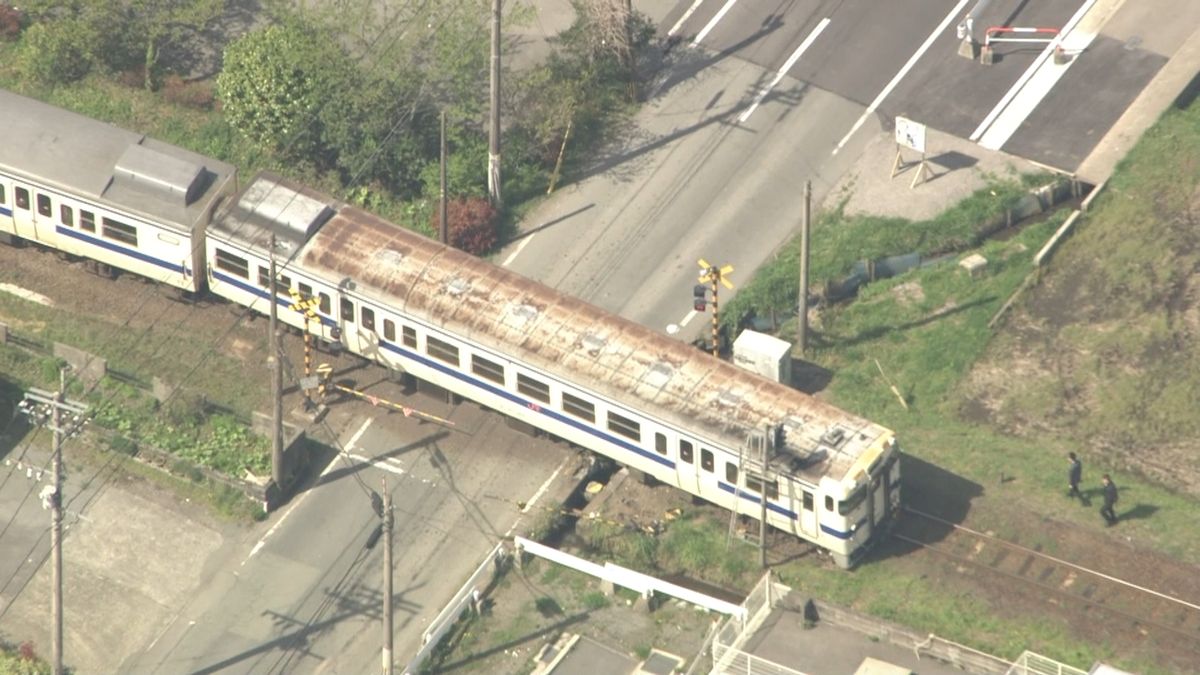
580, 343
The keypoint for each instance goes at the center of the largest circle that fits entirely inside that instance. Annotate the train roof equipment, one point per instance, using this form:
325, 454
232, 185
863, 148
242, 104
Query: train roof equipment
49, 146
273, 205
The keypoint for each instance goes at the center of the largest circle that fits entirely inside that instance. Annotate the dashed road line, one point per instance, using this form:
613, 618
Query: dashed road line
786, 67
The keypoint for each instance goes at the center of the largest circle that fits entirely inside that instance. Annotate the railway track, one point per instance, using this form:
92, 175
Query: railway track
1137, 607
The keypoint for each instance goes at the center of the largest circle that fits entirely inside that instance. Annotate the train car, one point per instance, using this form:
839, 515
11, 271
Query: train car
118, 199
570, 369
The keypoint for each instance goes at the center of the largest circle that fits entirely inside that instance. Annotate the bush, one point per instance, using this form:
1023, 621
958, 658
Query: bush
10, 23
197, 95
59, 52
472, 224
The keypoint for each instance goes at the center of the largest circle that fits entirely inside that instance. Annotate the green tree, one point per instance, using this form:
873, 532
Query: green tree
277, 81
59, 52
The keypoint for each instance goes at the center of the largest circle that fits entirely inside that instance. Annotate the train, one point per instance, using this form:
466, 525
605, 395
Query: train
674, 414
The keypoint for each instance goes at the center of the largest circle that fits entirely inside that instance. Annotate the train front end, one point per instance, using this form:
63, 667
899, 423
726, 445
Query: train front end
860, 508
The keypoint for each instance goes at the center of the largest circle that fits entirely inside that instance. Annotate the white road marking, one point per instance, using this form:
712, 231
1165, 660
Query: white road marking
713, 22
537, 495
690, 315
385, 463
686, 15
1033, 85
786, 67
26, 294
262, 542
900, 75
520, 247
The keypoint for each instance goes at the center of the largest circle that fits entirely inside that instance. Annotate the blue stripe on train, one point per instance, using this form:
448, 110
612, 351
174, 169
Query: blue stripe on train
788, 513
5, 212
286, 303
138, 255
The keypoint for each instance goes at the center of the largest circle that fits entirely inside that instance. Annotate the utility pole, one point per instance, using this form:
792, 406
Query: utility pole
387, 580
34, 404
443, 223
494, 131
802, 317
276, 369
768, 437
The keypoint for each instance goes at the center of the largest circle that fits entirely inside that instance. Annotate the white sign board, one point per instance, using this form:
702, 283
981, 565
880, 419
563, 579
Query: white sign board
910, 134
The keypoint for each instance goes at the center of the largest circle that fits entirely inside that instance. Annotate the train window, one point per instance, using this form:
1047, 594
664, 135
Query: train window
731, 473
45, 208
706, 460
228, 262
660, 443
488, 370
533, 388
409, 335
118, 231
264, 277
584, 410
305, 291
324, 303
441, 350
3, 196
828, 503
347, 309
368, 318
389, 330
66, 215
755, 482
852, 502
685, 451
624, 426
808, 501
87, 220
22, 198
282, 286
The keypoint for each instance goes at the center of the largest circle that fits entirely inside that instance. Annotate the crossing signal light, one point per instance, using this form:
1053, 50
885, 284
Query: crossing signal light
699, 297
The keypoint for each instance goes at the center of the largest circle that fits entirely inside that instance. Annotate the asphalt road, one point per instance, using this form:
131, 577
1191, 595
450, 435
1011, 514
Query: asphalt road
307, 597
759, 97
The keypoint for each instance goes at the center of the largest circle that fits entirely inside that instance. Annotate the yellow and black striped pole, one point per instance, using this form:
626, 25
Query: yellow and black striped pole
307, 306
715, 276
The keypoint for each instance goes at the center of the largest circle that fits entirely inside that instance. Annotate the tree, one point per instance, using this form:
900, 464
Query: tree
276, 82
158, 22
58, 52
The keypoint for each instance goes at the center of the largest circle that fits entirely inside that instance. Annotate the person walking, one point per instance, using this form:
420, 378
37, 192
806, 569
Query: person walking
1074, 474
1110, 500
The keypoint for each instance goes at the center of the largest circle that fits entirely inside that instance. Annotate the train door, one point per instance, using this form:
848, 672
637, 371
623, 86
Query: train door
349, 325
6, 206
24, 225
808, 514
686, 467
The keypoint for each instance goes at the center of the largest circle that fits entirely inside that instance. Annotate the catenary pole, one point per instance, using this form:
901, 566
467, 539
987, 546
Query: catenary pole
56, 603
802, 314
494, 127
276, 369
387, 580
443, 223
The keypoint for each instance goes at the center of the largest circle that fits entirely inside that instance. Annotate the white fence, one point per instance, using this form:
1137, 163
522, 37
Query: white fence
475, 586
728, 657
627, 578
1035, 664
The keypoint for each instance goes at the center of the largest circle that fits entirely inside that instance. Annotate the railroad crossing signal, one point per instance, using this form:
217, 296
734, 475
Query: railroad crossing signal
716, 277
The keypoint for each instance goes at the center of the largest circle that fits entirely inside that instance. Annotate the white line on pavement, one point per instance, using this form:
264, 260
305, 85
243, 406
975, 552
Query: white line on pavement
538, 495
385, 463
261, 542
786, 67
1005, 117
713, 22
686, 15
690, 315
900, 75
520, 247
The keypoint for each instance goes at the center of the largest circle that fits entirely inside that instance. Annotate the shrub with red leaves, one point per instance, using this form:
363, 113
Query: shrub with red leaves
10, 22
472, 224
26, 652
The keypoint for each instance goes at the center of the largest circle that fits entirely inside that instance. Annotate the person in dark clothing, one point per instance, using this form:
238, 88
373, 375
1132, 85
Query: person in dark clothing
1110, 500
1074, 474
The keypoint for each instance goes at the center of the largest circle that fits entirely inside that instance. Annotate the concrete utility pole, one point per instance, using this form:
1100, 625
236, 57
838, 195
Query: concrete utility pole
276, 368
34, 405
768, 438
443, 223
802, 317
494, 131
387, 580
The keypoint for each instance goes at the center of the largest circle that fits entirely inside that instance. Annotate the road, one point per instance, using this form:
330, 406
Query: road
759, 97
307, 596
